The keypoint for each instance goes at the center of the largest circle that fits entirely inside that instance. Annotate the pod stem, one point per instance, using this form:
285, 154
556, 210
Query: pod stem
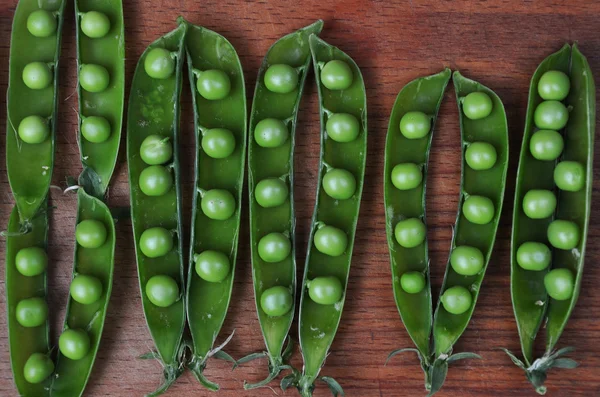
171, 372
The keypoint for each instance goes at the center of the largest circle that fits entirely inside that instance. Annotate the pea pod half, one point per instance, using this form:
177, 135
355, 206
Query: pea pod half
341, 177
219, 97
153, 159
271, 188
100, 44
559, 163
32, 102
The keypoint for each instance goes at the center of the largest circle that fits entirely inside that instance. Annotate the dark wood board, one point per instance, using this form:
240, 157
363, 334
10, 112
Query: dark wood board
499, 43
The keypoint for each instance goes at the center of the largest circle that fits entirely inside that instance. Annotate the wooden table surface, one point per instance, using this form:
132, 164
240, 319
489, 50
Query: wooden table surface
499, 43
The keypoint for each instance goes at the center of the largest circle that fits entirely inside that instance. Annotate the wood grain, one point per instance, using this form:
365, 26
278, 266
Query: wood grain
499, 43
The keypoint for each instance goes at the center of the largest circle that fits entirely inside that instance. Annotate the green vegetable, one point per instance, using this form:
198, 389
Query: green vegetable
281, 79
533, 256
415, 125
480, 156
412, 282
271, 133
339, 184
32, 312
276, 301
159, 63
34, 130
41, 23
274, 247
90, 233
559, 284
406, 176
538, 204
477, 105
38, 368
156, 180
93, 78
325, 290
546, 145
569, 176
31, 261
37, 75
212, 85
162, 290
410, 233
456, 300
551, 115
94, 24
86, 289
74, 344
217, 204
330, 240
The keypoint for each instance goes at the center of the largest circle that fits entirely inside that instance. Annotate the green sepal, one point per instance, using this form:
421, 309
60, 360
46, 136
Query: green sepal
90, 181
462, 356
423, 360
288, 381
249, 357
438, 372
334, 386
149, 356
197, 366
221, 355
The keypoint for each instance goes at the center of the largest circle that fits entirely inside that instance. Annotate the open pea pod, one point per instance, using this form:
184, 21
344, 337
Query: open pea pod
531, 303
341, 92
29, 165
423, 95
219, 170
98, 151
71, 376
154, 112
276, 165
24, 341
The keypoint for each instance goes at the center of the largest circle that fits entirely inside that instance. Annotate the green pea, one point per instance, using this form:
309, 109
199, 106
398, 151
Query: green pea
406, 176
415, 125
342, 127
95, 129
477, 105
156, 180
546, 145
336, 75
559, 284
410, 232
271, 133
325, 290
551, 115
162, 290
32, 312
412, 282
156, 150
563, 235
339, 184
466, 261
569, 176
156, 242
539, 204
94, 78
212, 266
159, 64
74, 343
38, 368
534, 256
37, 75
271, 192
274, 247
281, 78
481, 156
218, 204
218, 143
90, 233
85, 289
41, 23
31, 261
478, 210
554, 85
457, 300
330, 240
276, 301
95, 24
34, 130
213, 84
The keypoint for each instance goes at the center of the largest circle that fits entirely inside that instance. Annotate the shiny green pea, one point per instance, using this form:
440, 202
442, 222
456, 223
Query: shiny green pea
74, 343
569, 176
159, 64
212, 266
534, 256
481, 156
457, 300
276, 301
330, 240
162, 290
271, 192
156, 180
95, 24
218, 204
94, 78
412, 282
336, 75
478, 210
90, 233
37, 75
274, 247
342, 127
281, 78
156, 150
41, 23
218, 143
271, 133
410, 233
564, 235
560, 284
539, 204
466, 261
34, 130
32, 312
85, 289
477, 105
213, 84
546, 145
156, 242
95, 129
406, 176
415, 125
339, 184
325, 290
551, 115
31, 261
554, 85
38, 368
